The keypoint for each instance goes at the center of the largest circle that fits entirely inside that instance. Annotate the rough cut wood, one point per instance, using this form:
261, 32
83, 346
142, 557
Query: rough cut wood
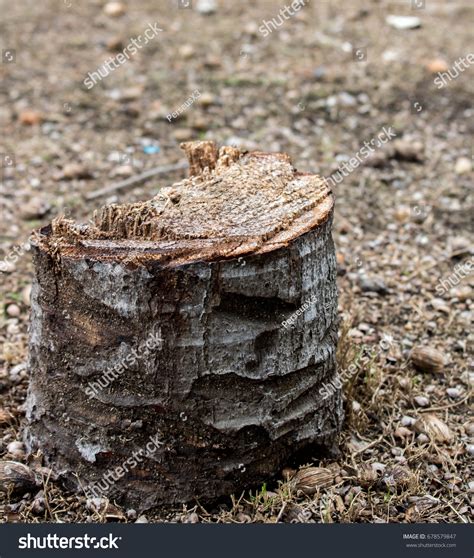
235, 267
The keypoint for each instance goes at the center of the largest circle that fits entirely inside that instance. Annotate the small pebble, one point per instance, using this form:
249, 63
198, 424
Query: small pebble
207, 99
422, 401
13, 311
437, 65
463, 166
372, 284
142, 519
402, 432
403, 22
26, 295
7, 266
356, 406
115, 9
131, 514
192, 518
206, 7
183, 134
30, 117
454, 393
423, 438
16, 449
187, 51
408, 421
75, 170
469, 428
115, 44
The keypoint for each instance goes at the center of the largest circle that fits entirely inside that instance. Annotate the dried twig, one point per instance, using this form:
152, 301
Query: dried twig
136, 179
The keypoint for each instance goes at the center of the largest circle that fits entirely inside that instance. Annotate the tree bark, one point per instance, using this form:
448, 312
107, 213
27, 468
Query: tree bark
173, 320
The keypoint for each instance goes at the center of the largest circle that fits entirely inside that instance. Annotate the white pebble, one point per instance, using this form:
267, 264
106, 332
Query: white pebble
16, 449
422, 401
463, 165
454, 393
13, 311
408, 421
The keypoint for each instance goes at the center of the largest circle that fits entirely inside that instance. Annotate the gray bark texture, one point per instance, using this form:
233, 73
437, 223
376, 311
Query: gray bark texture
230, 391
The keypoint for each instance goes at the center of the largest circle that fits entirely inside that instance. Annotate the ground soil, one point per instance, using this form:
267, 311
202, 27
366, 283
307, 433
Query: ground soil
328, 79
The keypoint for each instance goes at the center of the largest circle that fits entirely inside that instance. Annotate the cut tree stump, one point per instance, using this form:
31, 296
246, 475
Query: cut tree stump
199, 327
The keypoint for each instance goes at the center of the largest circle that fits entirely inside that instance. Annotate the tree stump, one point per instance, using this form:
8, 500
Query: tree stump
194, 331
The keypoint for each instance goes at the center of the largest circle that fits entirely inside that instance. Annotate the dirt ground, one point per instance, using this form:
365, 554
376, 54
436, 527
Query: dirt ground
329, 78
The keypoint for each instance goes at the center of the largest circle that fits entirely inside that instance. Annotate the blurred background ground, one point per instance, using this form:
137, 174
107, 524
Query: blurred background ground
328, 79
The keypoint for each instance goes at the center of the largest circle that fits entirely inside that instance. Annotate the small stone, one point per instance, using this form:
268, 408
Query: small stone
406, 150
408, 421
422, 438
356, 406
437, 65
404, 383
402, 432
251, 28
128, 94
470, 449
192, 518
463, 166
16, 449
433, 427
463, 293
13, 311
428, 359
123, 170
142, 519
469, 428
206, 7
199, 123
402, 214
207, 99
75, 170
115, 9
187, 51
183, 134
131, 514
34, 209
440, 305
403, 22
454, 393
422, 401
7, 266
115, 44
372, 284
30, 117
